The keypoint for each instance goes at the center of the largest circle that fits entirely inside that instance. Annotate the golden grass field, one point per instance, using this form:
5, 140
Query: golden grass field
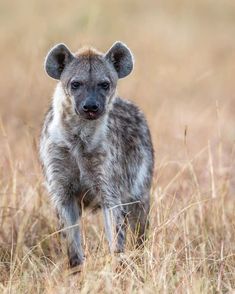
184, 80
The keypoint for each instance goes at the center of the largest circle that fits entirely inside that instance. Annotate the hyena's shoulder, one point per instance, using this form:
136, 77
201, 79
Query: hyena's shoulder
47, 121
128, 124
43, 144
130, 147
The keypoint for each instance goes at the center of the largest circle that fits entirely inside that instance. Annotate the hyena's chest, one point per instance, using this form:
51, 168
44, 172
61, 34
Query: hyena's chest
91, 167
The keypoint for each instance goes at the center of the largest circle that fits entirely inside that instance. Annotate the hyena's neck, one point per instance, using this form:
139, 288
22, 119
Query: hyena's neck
71, 128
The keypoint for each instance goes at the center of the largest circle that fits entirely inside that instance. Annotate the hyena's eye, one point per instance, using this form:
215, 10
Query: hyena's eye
104, 85
75, 85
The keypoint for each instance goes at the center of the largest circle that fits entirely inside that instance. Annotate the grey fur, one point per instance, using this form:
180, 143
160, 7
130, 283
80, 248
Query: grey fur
98, 160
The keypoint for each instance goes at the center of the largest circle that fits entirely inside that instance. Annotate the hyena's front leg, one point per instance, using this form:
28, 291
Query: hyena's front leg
69, 214
115, 228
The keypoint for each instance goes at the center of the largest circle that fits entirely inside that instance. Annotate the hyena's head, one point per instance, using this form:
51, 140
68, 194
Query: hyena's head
89, 78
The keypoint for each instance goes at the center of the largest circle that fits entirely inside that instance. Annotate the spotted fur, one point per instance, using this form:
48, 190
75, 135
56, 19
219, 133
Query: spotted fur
105, 162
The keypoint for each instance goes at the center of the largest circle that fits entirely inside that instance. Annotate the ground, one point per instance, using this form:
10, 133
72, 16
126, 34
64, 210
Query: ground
184, 82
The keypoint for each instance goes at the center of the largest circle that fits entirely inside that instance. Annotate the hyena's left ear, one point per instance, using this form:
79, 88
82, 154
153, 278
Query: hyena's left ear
56, 60
121, 58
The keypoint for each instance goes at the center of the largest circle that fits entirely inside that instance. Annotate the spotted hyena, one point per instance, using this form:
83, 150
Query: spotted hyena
95, 147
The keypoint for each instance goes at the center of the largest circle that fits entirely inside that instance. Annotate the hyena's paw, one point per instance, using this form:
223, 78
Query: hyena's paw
119, 249
75, 259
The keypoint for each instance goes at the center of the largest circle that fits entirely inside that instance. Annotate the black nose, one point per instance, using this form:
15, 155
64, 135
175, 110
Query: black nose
93, 107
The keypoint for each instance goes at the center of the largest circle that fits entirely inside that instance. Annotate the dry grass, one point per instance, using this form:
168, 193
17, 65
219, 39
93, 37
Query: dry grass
184, 81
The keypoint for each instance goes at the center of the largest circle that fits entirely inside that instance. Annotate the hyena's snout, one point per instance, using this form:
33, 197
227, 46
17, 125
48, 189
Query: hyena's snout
90, 108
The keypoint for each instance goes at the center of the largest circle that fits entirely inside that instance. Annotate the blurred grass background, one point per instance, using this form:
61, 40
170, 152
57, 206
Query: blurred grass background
184, 82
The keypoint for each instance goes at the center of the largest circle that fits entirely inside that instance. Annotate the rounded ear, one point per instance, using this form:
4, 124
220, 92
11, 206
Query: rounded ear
56, 60
120, 56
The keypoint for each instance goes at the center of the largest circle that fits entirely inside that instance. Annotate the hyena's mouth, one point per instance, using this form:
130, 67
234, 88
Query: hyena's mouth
90, 115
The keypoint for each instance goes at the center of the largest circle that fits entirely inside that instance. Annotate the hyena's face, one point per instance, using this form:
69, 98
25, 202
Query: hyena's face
89, 78
90, 82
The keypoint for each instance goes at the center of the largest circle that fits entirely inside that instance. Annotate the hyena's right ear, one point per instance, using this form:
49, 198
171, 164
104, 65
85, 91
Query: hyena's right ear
56, 60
